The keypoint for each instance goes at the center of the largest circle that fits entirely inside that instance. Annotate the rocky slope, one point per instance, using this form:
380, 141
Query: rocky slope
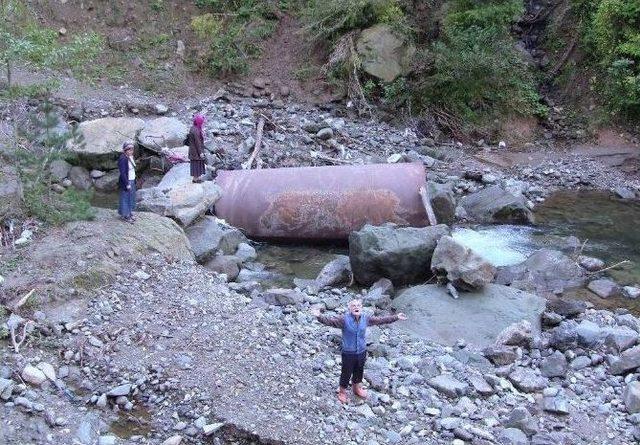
171, 350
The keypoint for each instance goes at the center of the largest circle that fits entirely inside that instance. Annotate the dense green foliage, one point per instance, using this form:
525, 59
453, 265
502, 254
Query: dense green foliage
612, 36
495, 14
475, 71
232, 31
329, 19
471, 69
40, 200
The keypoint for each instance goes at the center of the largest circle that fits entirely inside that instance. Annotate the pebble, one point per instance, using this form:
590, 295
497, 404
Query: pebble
142, 275
121, 390
102, 401
107, 440
211, 428
161, 109
173, 440
33, 375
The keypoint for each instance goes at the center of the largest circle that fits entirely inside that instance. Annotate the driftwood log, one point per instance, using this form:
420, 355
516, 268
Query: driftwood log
426, 202
258, 144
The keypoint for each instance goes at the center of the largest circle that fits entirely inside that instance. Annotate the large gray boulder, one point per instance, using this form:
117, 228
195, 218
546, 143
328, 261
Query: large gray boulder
59, 169
224, 264
526, 380
443, 202
179, 198
209, 235
565, 336
384, 54
448, 385
111, 245
632, 397
80, 178
628, 361
163, 132
496, 205
604, 288
402, 254
554, 365
282, 297
108, 182
512, 436
334, 273
521, 418
545, 270
478, 318
461, 266
379, 294
103, 139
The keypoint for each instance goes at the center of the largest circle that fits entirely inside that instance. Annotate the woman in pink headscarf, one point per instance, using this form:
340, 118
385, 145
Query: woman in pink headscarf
195, 141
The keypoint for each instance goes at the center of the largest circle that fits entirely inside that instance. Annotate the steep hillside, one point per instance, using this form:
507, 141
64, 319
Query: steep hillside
503, 68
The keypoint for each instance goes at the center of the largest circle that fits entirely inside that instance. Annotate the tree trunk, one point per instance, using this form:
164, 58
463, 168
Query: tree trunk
8, 74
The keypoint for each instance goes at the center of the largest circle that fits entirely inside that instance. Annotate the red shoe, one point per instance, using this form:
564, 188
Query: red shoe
342, 395
359, 391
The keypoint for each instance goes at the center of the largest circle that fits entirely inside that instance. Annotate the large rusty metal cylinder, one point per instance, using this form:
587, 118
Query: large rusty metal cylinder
320, 203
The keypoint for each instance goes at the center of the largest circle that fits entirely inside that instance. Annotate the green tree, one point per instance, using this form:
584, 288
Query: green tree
48, 142
613, 35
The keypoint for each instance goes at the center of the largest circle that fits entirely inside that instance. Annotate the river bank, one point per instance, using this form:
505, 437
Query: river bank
164, 350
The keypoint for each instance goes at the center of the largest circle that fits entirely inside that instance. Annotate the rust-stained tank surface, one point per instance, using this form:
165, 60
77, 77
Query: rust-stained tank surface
320, 203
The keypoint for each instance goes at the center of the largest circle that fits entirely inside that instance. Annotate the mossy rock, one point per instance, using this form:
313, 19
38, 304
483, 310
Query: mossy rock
86, 255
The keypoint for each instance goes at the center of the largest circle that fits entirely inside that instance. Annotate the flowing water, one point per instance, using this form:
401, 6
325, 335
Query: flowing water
609, 225
609, 228
291, 261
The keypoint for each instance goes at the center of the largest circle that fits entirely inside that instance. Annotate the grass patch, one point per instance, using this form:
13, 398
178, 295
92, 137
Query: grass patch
305, 73
469, 69
476, 73
157, 5
92, 279
233, 32
57, 209
35, 91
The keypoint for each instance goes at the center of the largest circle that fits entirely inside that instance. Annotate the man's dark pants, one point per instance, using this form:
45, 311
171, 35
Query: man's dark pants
352, 368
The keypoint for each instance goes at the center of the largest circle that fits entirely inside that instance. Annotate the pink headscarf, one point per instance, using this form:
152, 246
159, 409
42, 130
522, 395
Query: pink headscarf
198, 121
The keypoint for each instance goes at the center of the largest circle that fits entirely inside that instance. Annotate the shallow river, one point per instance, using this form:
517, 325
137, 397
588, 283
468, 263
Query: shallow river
610, 227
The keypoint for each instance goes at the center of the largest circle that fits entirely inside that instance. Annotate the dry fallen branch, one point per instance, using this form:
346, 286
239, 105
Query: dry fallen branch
344, 53
613, 266
426, 202
14, 323
24, 299
258, 144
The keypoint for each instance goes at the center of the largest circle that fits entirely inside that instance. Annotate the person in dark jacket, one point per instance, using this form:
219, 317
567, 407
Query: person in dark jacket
127, 183
195, 141
354, 344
